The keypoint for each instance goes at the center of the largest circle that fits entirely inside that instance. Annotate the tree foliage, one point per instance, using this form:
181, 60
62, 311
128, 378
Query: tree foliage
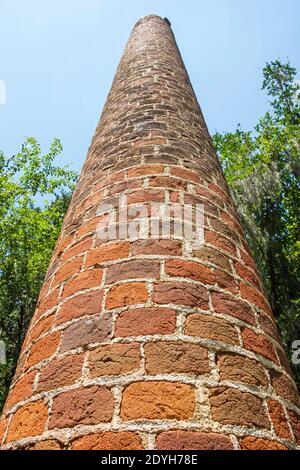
29, 228
262, 167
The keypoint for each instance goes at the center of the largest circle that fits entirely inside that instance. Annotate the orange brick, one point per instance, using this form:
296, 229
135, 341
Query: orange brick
127, 294
22, 389
108, 441
158, 400
84, 280
108, 252
43, 348
256, 443
29, 420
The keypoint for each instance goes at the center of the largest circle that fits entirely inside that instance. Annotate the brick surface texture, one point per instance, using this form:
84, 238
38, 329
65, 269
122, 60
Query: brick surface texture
141, 343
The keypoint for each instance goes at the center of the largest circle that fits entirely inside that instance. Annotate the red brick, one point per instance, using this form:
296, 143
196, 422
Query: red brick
189, 269
108, 441
114, 359
48, 302
207, 326
88, 303
61, 372
156, 247
67, 270
89, 405
146, 321
218, 241
231, 406
192, 440
107, 252
41, 327
129, 293
246, 274
144, 170
188, 175
254, 296
167, 357
77, 248
43, 349
233, 306
226, 281
295, 423
181, 293
29, 420
84, 280
158, 400
256, 443
258, 344
278, 419
133, 269
146, 195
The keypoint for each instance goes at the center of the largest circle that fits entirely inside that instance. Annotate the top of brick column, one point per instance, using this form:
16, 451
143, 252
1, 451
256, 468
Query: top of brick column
147, 336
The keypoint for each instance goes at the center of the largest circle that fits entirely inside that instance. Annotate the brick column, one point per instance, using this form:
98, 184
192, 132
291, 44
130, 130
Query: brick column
151, 342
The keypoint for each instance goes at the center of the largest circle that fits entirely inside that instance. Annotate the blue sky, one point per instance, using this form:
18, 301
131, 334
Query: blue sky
58, 58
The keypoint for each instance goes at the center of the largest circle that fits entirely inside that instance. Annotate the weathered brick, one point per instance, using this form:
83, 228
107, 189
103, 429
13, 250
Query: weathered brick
146, 195
84, 280
129, 293
226, 281
167, 357
29, 420
43, 348
295, 423
67, 270
156, 247
88, 303
254, 296
146, 321
192, 440
167, 182
114, 359
233, 306
278, 419
48, 444
133, 269
257, 443
60, 372
215, 239
186, 174
77, 248
108, 441
246, 274
241, 369
48, 302
158, 400
41, 327
231, 406
284, 387
181, 293
22, 389
86, 331
107, 252
207, 326
213, 255
89, 405
144, 170
190, 269
258, 344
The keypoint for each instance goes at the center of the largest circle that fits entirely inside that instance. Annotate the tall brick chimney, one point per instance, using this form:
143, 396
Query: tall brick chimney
146, 342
